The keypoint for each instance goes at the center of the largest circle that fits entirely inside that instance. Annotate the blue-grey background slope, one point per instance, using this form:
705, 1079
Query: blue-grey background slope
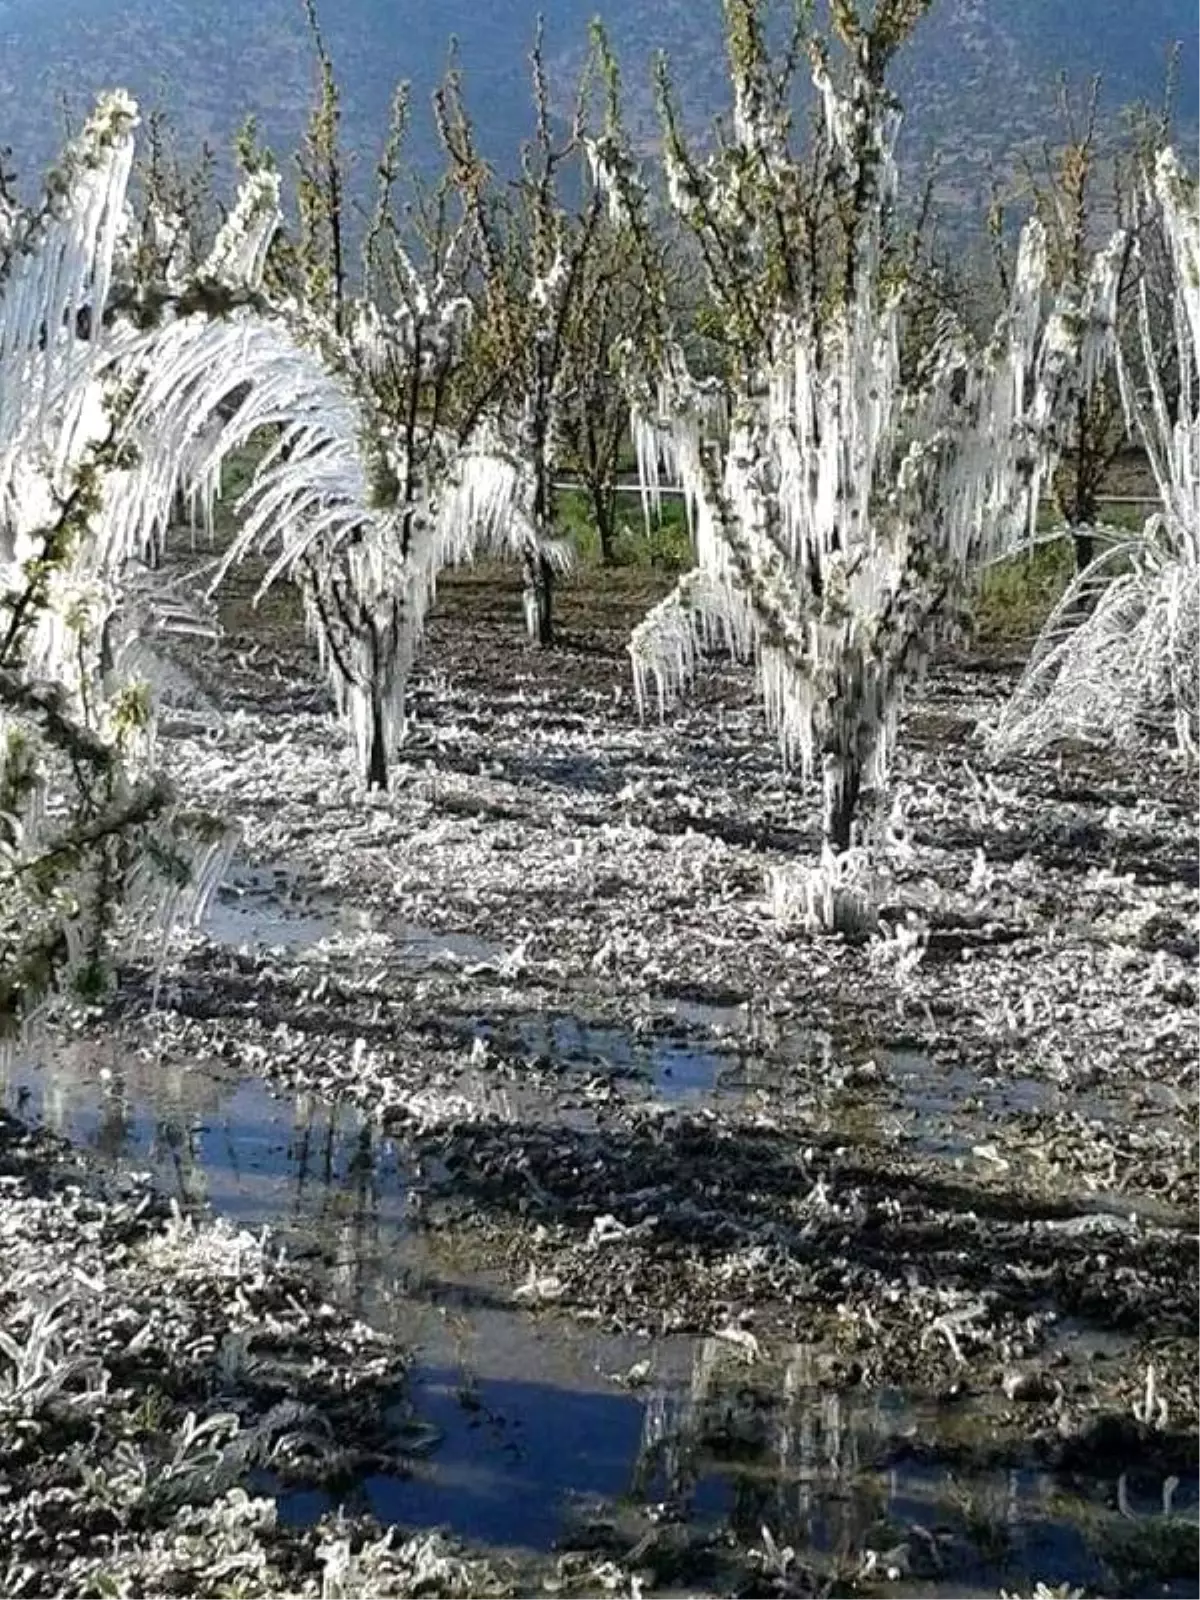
977, 83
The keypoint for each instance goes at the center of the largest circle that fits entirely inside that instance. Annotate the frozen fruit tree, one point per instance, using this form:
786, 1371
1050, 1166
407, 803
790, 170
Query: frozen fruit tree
1119, 658
88, 828
1069, 188
385, 461
362, 507
543, 266
839, 516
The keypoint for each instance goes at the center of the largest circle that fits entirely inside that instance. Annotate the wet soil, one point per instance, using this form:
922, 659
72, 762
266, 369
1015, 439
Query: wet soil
730, 1260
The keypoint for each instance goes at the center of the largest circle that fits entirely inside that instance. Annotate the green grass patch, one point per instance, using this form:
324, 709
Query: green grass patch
1016, 596
665, 546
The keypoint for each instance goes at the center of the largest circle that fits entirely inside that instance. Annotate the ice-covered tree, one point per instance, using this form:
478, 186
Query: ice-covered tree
1118, 658
1069, 194
87, 827
840, 514
174, 201
362, 513
385, 460
542, 262
626, 281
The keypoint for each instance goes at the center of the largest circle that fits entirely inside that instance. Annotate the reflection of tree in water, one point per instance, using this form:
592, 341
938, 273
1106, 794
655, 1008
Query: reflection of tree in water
794, 1455
358, 1244
306, 1167
115, 1127
56, 1107
130, 1109
177, 1142
336, 1165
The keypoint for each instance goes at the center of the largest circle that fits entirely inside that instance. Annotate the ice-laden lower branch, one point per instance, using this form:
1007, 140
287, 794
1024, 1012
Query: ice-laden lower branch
336, 503
839, 518
88, 831
1118, 658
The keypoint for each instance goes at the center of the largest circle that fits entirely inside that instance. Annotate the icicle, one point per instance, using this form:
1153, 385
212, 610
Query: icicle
1176, 198
835, 501
1127, 671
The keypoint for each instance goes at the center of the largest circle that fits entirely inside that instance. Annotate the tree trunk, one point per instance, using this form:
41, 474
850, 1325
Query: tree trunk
377, 770
1087, 469
603, 509
539, 599
843, 786
1085, 548
1083, 521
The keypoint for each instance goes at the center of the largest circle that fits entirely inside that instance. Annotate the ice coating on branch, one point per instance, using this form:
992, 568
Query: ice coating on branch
56, 409
360, 499
86, 827
164, 236
841, 508
616, 176
668, 422
60, 262
1117, 660
239, 253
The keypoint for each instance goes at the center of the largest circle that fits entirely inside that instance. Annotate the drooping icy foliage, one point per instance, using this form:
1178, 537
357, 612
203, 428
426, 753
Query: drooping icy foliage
86, 826
1119, 658
839, 515
334, 503
362, 514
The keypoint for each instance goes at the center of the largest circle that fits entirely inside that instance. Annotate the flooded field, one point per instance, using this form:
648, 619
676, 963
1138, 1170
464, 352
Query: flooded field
705, 1257
526, 1434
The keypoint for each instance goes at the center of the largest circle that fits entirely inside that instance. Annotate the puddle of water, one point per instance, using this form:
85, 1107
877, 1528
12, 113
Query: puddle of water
426, 947
716, 1018
536, 1433
260, 906
713, 1453
209, 1138
946, 1109
752, 1028
268, 907
514, 1451
513, 1460
813, 1467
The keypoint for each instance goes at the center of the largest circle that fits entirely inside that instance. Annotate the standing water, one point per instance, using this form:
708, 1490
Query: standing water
527, 1432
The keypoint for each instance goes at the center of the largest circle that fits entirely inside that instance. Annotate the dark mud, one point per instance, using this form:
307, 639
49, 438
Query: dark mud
731, 1260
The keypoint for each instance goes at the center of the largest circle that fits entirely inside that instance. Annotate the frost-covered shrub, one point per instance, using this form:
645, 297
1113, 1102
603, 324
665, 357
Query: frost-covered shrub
1119, 658
842, 509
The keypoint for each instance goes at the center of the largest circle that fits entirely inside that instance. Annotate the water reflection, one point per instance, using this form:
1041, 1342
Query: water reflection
675, 1068
321, 1174
527, 1428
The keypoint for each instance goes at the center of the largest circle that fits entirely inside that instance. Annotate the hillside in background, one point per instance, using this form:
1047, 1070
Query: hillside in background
977, 85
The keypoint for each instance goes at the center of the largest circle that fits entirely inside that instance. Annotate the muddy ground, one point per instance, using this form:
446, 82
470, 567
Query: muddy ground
721, 1259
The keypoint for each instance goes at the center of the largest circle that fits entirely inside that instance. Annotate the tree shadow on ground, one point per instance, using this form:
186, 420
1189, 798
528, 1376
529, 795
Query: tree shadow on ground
1070, 847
